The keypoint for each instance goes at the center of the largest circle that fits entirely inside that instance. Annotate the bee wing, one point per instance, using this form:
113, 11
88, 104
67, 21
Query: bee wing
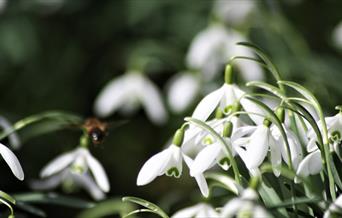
116, 124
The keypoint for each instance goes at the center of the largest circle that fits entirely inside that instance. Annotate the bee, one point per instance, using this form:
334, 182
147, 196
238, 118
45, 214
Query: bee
96, 129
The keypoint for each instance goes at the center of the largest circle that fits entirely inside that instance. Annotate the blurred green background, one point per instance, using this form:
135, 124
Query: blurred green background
58, 54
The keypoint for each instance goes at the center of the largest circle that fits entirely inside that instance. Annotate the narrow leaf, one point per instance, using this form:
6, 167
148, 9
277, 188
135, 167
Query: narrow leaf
154, 208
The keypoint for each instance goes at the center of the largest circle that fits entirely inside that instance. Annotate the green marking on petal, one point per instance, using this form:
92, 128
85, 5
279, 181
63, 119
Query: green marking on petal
173, 172
224, 163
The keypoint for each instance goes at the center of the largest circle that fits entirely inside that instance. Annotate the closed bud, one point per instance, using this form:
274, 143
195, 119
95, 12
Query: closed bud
227, 129
178, 137
219, 113
280, 112
267, 122
228, 74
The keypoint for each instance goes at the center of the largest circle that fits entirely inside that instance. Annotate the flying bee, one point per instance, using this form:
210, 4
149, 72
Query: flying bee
96, 129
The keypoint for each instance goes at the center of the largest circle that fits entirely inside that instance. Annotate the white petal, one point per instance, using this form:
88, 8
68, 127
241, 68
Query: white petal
182, 90
12, 161
310, 165
153, 167
89, 185
13, 137
242, 131
112, 96
232, 207
260, 212
208, 104
50, 182
200, 179
257, 148
275, 155
312, 146
176, 161
58, 163
187, 212
251, 107
98, 172
152, 102
205, 159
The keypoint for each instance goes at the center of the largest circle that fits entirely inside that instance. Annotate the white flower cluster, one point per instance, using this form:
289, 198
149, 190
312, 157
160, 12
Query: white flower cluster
255, 139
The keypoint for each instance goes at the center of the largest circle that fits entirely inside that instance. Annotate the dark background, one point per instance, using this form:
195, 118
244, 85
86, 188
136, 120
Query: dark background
58, 54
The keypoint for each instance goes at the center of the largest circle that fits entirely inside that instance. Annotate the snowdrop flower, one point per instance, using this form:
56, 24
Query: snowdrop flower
200, 210
215, 153
182, 90
256, 147
67, 176
13, 137
170, 162
334, 126
310, 165
126, 93
233, 12
337, 35
214, 46
294, 145
12, 161
244, 206
335, 209
227, 95
77, 161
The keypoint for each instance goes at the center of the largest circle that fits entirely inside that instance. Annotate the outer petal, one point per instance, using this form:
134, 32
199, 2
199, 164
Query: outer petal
13, 138
187, 212
152, 102
12, 161
89, 185
58, 163
111, 97
182, 90
310, 165
232, 207
257, 148
153, 167
207, 211
208, 104
98, 172
275, 155
249, 106
200, 179
50, 182
205, 159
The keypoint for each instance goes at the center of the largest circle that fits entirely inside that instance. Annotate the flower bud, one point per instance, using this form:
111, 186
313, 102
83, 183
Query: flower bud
178, 137
267, 122
228, 74
280, 112
227, 129
219, 113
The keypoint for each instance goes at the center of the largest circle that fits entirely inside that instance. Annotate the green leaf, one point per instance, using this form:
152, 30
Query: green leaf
227, 147
272, 89
30, 209
107, 208
154, 208
296, 201
7, 197
270, 66
270, 197
53, 198
226, 182
138, 211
